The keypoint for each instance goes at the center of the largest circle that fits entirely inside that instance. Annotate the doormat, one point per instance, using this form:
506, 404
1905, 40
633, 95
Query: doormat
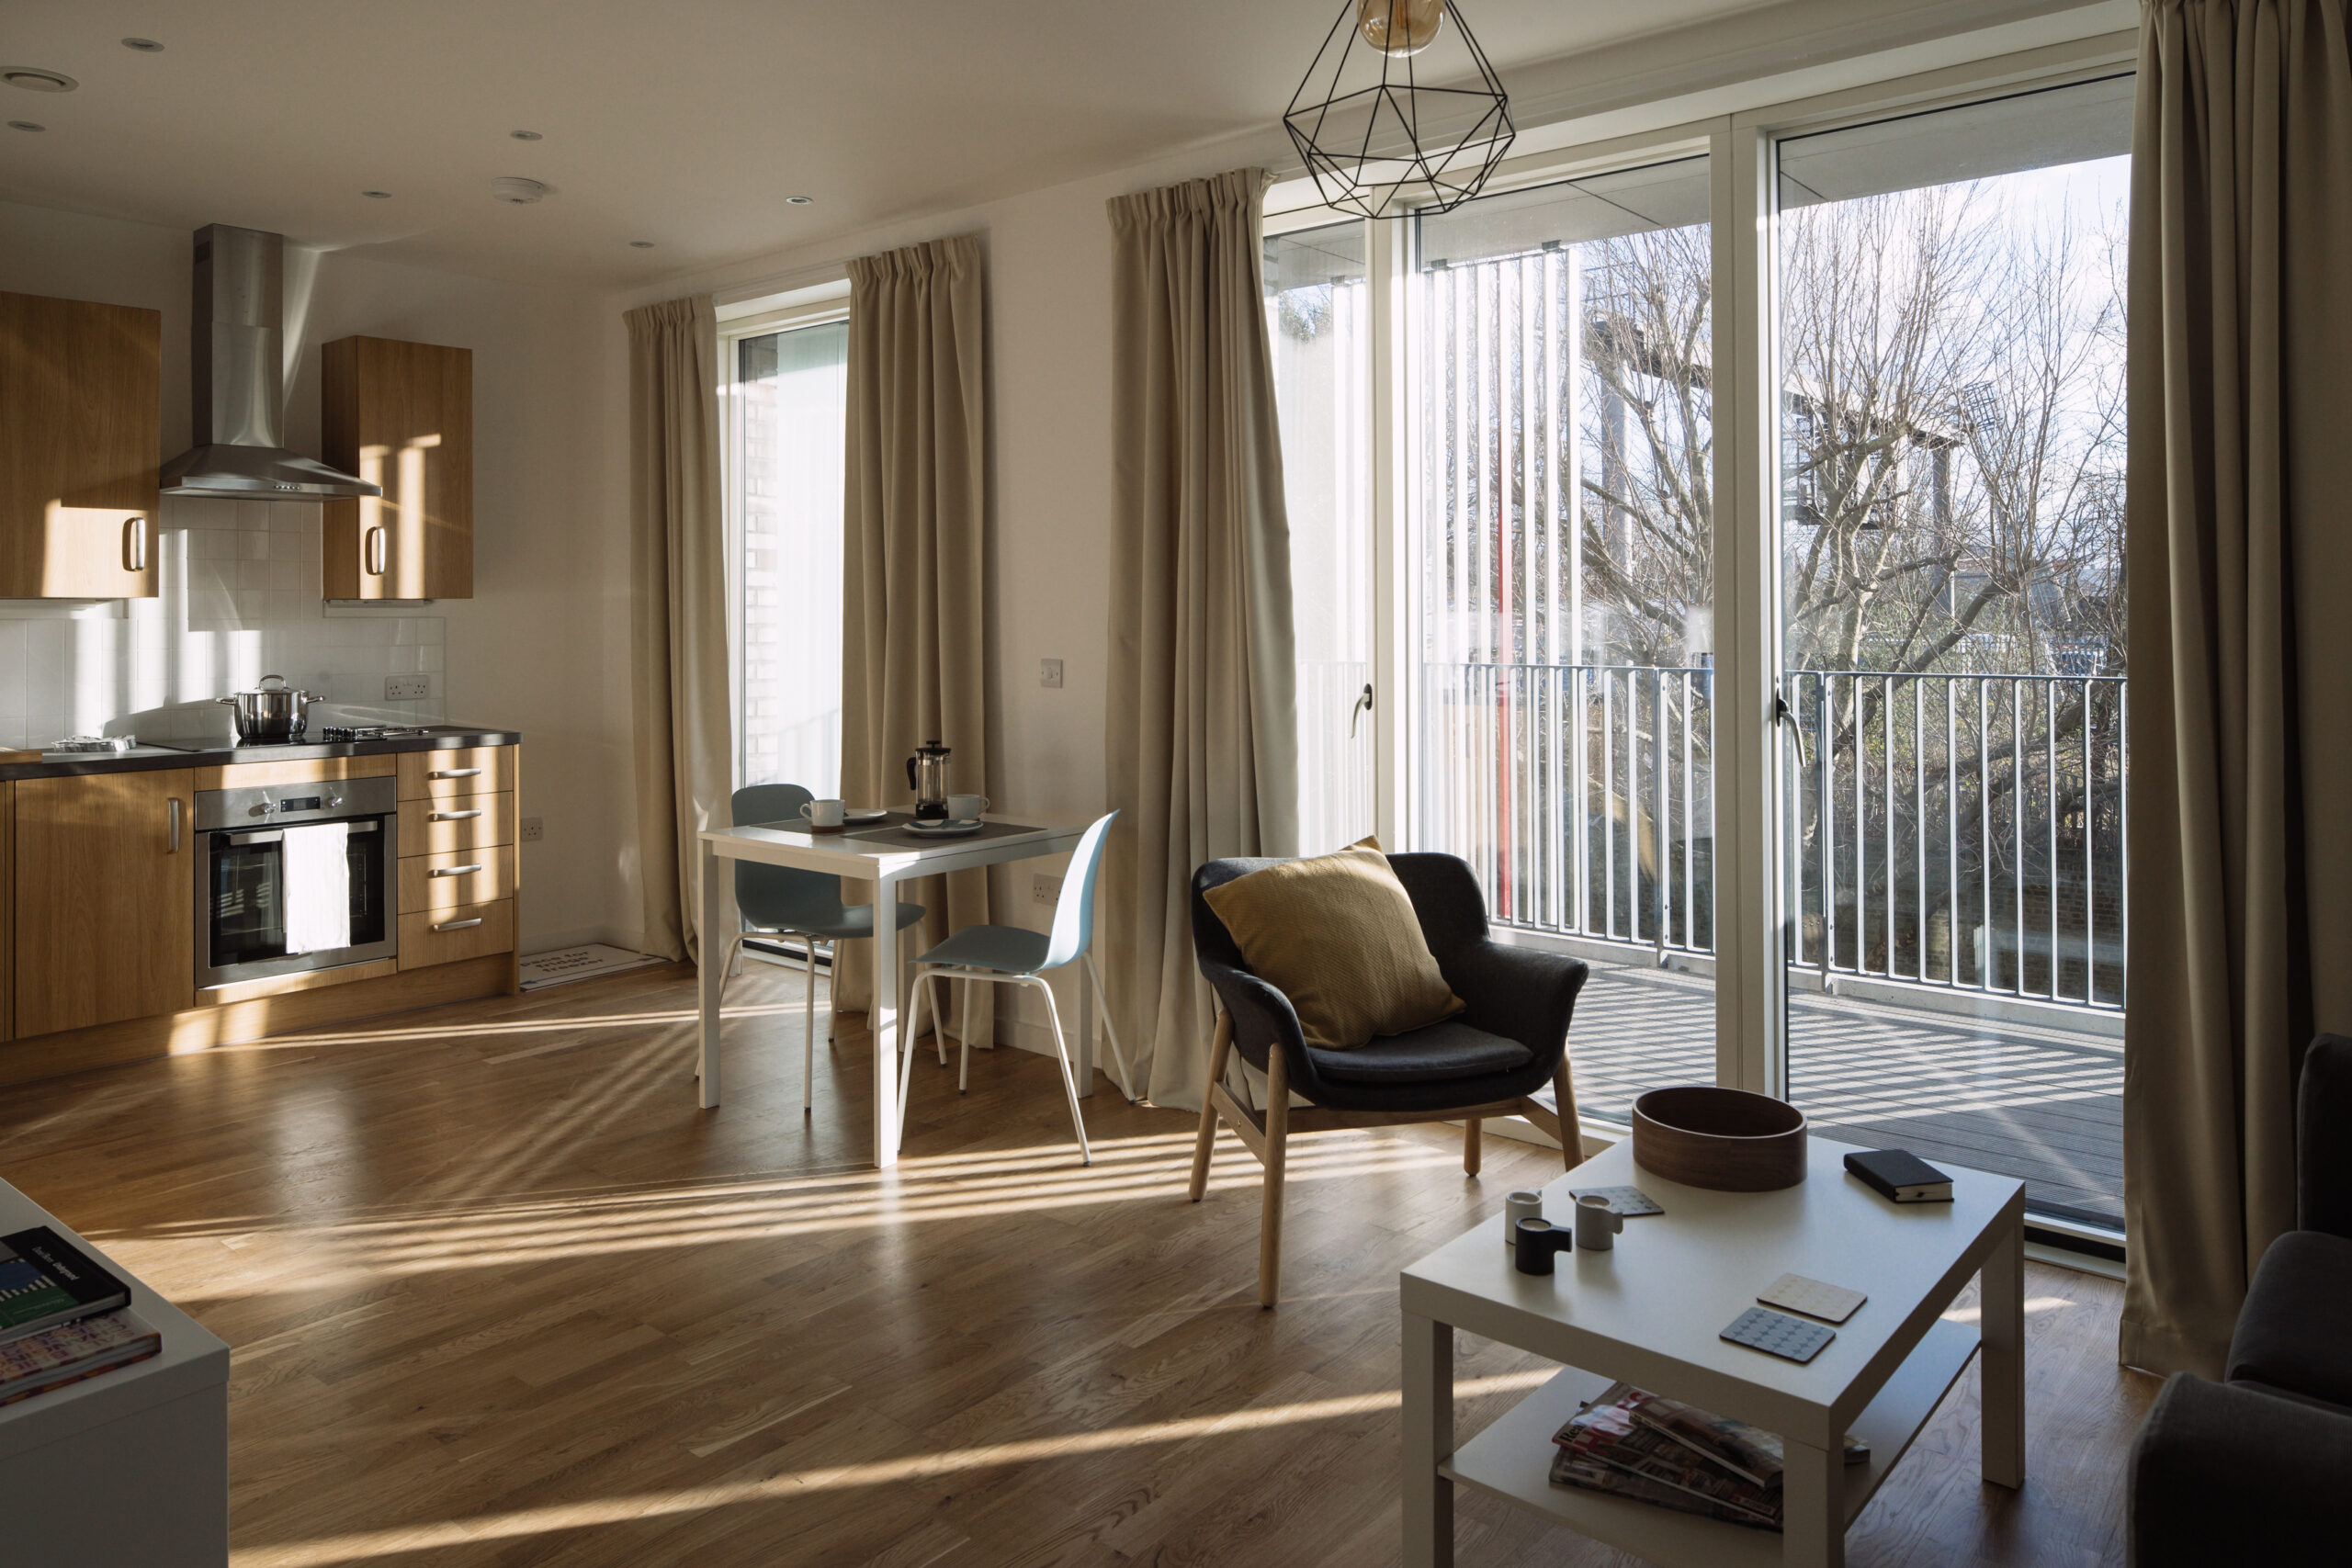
560, 965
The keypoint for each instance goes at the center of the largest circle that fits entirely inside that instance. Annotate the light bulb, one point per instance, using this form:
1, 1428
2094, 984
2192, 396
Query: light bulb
1400, 27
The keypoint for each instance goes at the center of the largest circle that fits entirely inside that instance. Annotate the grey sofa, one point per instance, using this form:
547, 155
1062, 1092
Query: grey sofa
2257, 1467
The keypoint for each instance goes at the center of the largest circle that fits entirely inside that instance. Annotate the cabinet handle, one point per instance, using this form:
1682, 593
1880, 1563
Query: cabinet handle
450, 816
455, 773
375, 552
172, 821
459, 925
134, 545
453, 870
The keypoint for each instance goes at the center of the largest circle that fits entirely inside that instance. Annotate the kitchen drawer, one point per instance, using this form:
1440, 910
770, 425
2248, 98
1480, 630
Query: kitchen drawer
448, 935
472, 769
462, 822
431, 883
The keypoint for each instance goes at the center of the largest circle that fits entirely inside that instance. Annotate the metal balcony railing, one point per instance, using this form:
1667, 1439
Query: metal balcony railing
1955, 830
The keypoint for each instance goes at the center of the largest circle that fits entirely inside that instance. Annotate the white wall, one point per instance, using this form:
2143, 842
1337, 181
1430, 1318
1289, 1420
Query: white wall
542, 646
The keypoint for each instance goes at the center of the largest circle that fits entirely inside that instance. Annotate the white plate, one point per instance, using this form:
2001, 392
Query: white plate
865, 813
946, 829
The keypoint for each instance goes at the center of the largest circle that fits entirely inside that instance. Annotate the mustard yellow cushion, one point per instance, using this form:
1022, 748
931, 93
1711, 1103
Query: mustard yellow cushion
1337, 935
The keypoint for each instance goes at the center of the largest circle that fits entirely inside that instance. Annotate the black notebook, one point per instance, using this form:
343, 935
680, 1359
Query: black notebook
46, 1280
1901, 1175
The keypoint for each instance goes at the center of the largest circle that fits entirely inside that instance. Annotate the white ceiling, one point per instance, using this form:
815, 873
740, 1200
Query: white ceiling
685, 122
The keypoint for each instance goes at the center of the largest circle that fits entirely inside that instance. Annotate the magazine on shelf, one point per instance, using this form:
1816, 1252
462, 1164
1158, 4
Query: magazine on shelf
36, 1363
1608, 1438
1749, 1452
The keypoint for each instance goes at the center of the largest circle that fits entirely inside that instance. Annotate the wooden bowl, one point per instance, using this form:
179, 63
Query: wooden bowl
1723, 1139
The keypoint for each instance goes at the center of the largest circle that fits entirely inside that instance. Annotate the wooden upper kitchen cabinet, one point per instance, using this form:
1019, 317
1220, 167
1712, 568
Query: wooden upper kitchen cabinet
81, 416
105, 898
399, 415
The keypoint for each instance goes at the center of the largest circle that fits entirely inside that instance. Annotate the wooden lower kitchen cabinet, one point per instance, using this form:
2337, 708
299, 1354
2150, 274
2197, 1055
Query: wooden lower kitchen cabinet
445, 936
459, 871
105, 898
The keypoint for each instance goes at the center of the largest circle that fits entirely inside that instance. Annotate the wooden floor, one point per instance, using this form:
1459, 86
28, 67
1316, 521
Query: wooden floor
500, 1294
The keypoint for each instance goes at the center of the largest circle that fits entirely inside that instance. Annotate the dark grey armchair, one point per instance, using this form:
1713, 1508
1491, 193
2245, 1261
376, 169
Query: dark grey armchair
1490, 1061
2255, 1468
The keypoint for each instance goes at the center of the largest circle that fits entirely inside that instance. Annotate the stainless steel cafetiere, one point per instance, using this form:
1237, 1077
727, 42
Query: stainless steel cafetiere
927, 776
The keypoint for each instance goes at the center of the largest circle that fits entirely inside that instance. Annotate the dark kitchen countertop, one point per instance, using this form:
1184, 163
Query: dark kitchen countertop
435, 737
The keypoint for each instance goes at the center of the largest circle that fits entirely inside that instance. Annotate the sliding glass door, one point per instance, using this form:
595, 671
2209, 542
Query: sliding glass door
1746, 518
1563, 390
1951, 451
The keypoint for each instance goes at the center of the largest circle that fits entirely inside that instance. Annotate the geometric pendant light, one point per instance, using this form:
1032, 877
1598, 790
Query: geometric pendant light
1400, 111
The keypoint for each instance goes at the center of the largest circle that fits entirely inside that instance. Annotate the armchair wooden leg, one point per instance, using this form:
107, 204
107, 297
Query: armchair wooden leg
1564, 1099
1470, 1152
1269, 1231
1218, 1050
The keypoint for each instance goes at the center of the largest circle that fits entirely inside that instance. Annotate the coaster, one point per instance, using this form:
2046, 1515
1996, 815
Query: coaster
1794, 1293
1630, 1201
1778, 1334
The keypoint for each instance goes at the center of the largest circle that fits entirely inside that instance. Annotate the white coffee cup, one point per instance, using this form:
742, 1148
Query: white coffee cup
1597, 1224
963, 807
1518, 1206
823, 813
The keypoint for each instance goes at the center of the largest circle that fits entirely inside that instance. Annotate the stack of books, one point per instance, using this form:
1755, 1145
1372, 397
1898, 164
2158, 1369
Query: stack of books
1636, 1444
62, 1317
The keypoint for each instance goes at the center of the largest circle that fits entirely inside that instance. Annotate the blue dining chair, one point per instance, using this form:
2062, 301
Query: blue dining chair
1011, 955
777, 901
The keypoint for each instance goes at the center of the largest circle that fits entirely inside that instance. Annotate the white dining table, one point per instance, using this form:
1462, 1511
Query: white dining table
884, 855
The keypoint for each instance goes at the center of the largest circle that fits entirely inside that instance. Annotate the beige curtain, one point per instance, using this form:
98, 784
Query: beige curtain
2240, 562
1202, 746
914, 589
677, 544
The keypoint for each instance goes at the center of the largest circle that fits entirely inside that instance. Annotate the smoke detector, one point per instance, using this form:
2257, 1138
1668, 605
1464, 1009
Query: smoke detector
33, 79
515, 188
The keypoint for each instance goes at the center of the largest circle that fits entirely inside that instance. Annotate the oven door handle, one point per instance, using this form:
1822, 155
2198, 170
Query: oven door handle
273, 836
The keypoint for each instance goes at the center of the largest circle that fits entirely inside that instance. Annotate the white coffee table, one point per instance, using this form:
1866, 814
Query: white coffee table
1650, 1312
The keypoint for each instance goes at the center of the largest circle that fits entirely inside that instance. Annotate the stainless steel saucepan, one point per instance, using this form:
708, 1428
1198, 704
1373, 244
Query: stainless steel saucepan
270, 713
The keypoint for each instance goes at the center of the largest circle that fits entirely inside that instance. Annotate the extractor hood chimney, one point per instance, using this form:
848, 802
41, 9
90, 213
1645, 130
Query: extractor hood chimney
239, 407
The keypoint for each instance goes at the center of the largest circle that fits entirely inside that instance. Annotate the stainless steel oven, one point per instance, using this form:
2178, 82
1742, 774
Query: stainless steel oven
296, 877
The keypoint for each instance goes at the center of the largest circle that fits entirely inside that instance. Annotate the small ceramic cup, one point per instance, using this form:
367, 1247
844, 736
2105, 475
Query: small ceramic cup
1540, 1242
1597, 1224
1518, 1206
963, 807
823, 813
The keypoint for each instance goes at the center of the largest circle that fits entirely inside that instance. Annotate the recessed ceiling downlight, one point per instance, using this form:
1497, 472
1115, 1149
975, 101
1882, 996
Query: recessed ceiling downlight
33, 79
640, 244
526, 136
25, 124
376, 194
798, 200
516, 190
144, 45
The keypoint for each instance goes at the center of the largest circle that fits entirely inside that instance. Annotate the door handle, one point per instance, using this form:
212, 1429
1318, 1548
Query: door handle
459, 925
450, 816
172, 822
375, 552
134, 545
453, 870
455, 773
1362, 707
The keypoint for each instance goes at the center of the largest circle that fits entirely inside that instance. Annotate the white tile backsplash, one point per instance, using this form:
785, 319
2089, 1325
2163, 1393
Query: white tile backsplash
239, 599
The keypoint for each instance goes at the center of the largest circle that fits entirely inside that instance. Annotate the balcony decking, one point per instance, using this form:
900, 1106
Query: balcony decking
2044, 1104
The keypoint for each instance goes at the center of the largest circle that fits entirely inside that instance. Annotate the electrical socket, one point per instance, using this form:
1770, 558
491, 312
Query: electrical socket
1049, 672
1045, 888
534, 830
406, 688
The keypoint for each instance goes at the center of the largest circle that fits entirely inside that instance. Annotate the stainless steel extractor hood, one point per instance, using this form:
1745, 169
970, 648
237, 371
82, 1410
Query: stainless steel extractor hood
239, 407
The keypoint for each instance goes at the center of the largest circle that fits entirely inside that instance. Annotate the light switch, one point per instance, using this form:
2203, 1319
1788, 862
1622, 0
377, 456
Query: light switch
1049, 672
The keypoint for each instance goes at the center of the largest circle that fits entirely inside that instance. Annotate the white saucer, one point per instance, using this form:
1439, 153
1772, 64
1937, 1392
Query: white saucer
865, 813
950, 830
